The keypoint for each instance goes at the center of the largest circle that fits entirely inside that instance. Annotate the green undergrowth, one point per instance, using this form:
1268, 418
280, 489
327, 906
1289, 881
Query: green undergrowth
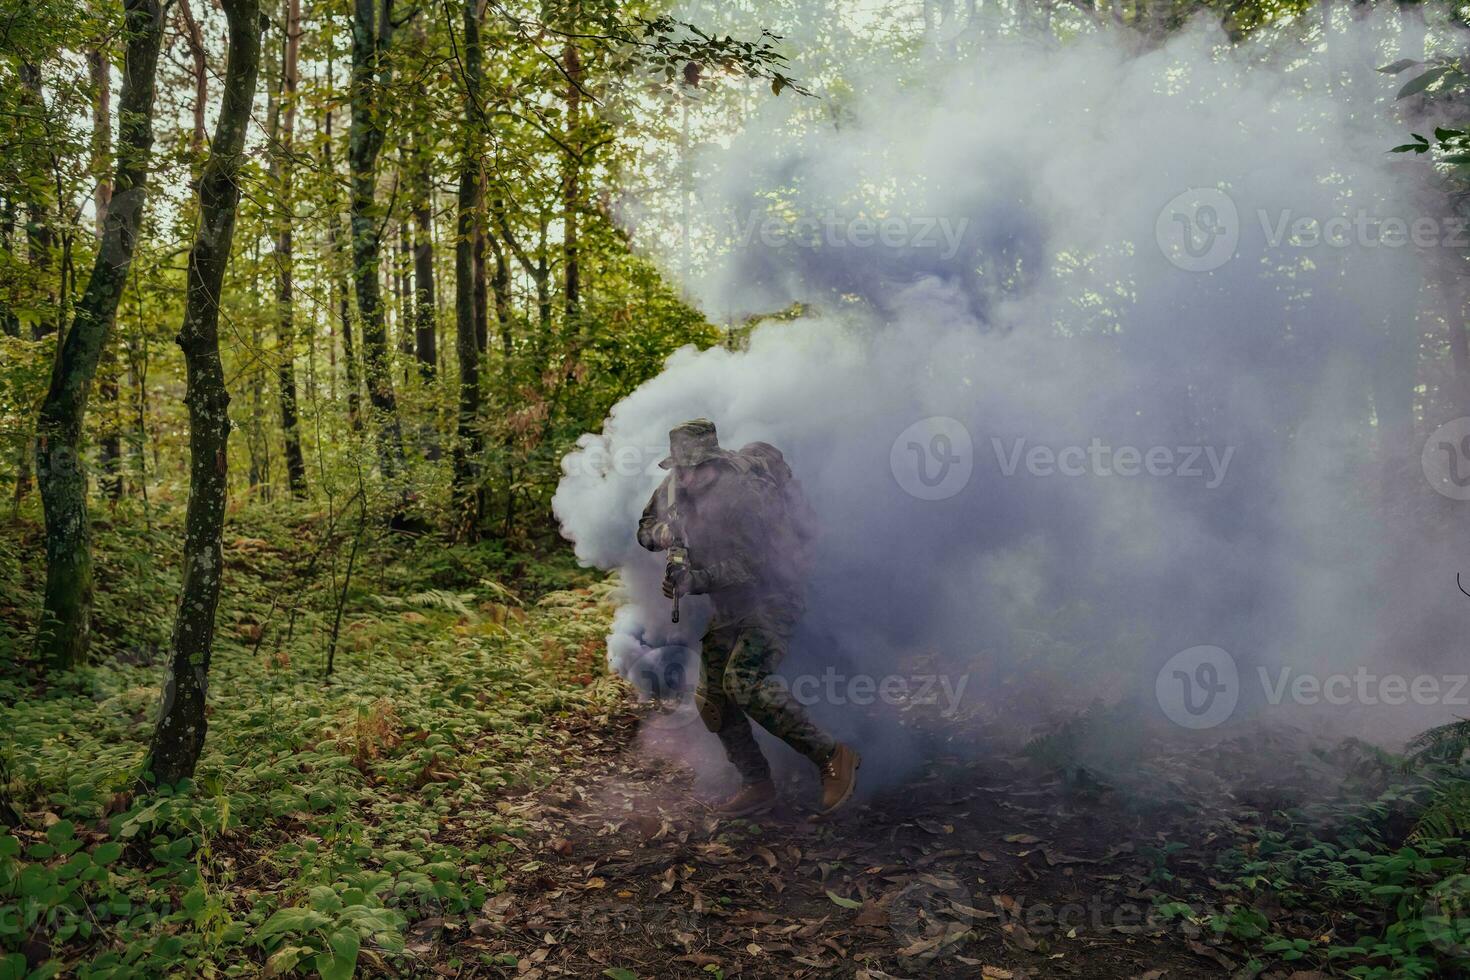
1375, 884
329, 812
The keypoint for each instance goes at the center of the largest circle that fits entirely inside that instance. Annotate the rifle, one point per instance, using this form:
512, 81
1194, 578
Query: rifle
679, 549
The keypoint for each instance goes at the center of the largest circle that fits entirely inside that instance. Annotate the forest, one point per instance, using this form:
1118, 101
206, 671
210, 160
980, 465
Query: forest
1048, 422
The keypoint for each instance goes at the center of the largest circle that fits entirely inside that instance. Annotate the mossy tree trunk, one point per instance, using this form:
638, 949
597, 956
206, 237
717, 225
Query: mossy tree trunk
178, 737
282, 170
66, 617
467, 343
372, 32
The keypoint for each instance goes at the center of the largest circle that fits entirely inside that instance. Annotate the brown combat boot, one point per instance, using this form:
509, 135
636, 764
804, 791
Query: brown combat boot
749, 799
839, 777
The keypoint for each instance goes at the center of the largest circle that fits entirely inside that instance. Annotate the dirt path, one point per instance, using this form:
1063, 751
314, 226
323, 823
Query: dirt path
961, 871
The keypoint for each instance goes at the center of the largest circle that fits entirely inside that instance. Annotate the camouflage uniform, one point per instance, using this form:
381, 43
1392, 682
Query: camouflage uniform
744, 544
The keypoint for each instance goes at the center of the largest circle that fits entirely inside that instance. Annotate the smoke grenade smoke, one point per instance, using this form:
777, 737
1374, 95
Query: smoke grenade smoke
1072, 388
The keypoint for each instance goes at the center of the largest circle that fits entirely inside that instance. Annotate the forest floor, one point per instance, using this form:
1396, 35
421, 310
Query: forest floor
998, 868
470, 793
965, 870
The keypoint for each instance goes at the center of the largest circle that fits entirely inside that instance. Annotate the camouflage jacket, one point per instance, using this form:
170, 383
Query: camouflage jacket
746, 533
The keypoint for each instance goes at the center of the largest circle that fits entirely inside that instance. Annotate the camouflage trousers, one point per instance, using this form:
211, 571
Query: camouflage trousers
736, 685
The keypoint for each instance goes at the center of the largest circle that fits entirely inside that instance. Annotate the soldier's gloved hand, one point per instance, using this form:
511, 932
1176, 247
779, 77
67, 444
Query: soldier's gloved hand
663, 536
680, 579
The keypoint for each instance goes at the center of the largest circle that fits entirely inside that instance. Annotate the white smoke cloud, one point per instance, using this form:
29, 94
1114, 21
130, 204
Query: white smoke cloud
1063, 318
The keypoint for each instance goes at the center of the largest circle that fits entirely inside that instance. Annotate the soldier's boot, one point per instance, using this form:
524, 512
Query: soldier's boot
750, 799
839, 777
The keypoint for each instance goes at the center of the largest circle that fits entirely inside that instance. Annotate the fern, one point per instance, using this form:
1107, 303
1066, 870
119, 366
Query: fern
1448, 812
506, 595
1445, 743
433, 599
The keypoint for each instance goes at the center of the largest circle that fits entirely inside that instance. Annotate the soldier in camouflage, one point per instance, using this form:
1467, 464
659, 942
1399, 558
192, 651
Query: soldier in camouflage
740, 517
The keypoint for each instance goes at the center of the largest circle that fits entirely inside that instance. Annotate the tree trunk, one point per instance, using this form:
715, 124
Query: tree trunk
39, 244
66, 618
403, 290
179, 735
372, 31
482, 311
282, 169
467, 345
9, 320
501, 288
338, 264
572, 190
425, 346
194, 38
111, 442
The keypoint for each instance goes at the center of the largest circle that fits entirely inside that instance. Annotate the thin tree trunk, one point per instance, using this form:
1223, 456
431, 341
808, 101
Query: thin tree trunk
282, 170
403, 290
339, 264
425, 342
482, 312
467, 445
572, 188
372, 31
178, 737
194, 37
501, 288
39, 244
66, 618
111, 442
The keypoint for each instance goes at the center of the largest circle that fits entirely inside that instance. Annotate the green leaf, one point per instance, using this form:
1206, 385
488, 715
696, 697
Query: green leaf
1398, 66
284, 960
9, 846
107, 853
294, 919
1423, 82
194, 900
846, 903
324, 898
341, 962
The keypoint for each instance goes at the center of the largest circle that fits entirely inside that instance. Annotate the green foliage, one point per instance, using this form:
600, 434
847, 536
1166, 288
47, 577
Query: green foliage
337, 792
1381, 882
